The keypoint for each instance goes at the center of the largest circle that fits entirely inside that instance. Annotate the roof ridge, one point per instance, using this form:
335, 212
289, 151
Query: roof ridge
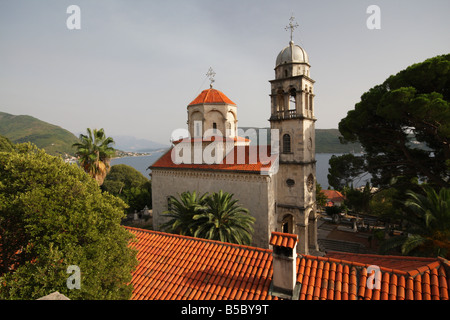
252, 248
412, 273
389, 256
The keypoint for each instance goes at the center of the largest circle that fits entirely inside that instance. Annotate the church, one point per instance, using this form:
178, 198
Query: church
275, 182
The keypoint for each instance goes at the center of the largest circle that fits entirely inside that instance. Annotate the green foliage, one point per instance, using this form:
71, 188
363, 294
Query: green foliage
216, 217
5, 144
428, 224
224, 220
182, 211
53, 215
345, 170
321, 198
394, 120
334, 210
358, 200
94, 152
130, 185
384, 204
19, 129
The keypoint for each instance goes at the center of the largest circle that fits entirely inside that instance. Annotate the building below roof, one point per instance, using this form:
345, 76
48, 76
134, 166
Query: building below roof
174, 267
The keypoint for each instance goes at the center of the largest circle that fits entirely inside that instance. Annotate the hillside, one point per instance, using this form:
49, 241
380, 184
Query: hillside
55, 140
327, 141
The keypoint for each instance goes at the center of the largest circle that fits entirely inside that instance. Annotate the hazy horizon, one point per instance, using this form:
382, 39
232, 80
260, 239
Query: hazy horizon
133, 67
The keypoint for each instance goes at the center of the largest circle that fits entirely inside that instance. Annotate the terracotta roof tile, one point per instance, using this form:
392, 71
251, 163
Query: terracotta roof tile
240, 159
177, 267
211, 96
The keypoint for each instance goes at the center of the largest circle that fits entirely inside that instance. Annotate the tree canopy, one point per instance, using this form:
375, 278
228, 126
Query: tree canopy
130, 185
52, 216
216, 217
403, 125
95, 152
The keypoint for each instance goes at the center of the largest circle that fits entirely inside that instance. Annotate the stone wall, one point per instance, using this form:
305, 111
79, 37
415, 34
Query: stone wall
253, 191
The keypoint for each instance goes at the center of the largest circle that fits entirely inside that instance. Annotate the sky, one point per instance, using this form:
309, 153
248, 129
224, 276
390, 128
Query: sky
134, 65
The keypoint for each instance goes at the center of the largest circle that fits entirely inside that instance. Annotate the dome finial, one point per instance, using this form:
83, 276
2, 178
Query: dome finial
211, 75
291, 26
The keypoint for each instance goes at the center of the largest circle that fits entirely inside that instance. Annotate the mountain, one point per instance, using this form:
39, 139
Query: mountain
22, 128
132, 144
327, 140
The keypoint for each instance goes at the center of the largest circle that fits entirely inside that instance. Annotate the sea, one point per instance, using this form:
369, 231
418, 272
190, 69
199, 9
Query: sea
141, 163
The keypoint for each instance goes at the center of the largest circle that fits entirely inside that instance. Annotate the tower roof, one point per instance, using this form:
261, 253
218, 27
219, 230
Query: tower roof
211, 96
292, 54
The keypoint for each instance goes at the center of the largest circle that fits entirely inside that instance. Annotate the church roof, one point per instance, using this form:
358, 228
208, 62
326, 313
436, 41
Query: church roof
240, 158
174, 267
211, 96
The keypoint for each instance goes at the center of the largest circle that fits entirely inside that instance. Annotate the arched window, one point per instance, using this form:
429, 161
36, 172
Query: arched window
292, 98
286, 143
280, 100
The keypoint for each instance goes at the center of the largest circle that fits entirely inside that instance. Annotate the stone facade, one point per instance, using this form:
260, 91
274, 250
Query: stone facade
282, 200
254, 192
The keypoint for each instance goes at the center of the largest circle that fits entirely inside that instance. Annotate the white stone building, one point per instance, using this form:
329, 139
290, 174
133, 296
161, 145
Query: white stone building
277, 185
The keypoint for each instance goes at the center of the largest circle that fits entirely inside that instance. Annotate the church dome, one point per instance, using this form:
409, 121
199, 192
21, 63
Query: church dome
292, 54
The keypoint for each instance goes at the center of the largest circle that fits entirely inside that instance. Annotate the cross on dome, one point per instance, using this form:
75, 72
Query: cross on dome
291, 25
210, 74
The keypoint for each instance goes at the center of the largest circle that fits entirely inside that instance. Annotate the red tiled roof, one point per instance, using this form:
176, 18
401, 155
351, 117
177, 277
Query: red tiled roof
211, 96
283, 240
239, 159
404, 263
333, 195
177, 267
211, 139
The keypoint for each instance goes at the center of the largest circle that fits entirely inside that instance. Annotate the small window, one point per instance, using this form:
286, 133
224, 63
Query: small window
286, 143
197, 129
214, 127
290, 182
285, 73
169, 203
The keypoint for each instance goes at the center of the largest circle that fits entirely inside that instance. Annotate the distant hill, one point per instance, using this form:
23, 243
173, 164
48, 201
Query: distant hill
132, 144
327, 141
22, 128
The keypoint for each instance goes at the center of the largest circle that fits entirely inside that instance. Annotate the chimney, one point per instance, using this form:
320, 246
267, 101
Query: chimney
284, 280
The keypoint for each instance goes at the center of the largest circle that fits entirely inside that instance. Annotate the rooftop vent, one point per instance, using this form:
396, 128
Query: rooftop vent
284, 281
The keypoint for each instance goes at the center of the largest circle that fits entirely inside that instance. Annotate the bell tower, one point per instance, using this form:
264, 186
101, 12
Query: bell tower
292, 113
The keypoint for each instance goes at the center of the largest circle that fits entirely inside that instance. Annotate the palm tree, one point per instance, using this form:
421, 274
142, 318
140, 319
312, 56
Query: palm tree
428, 231
181, 211
224, 220
94, 152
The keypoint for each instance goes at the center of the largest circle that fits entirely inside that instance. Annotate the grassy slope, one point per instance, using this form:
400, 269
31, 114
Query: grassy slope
55, 140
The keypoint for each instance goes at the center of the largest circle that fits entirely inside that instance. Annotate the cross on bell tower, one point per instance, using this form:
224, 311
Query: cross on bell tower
292, 114
291, 25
